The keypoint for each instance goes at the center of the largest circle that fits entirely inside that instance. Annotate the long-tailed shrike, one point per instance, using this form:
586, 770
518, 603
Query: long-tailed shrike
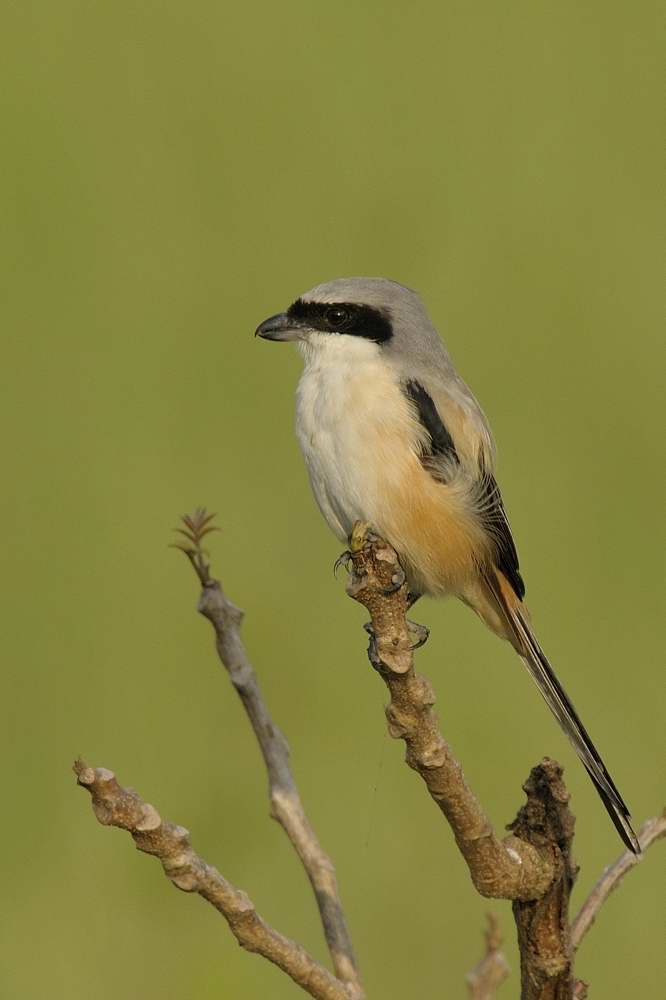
392, 436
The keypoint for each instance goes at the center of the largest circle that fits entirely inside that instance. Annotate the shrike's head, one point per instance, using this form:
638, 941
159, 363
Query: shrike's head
355, 311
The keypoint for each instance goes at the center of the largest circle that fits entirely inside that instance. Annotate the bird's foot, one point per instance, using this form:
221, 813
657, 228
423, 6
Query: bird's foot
361, 533
419, 633
343, 559
373, 649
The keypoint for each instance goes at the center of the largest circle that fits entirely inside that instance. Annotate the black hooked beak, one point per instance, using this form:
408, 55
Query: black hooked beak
279, 327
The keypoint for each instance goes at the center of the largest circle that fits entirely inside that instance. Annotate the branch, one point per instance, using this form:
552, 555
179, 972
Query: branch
286, 806
122, 807
488, 975
544, 941
511, 868
651, 831
532, 866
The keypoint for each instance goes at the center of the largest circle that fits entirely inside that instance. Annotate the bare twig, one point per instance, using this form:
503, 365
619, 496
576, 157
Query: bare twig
286, 806
487, 976
122, 807
651, 831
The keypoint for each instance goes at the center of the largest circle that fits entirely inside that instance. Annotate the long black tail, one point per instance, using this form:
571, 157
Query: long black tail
560, 705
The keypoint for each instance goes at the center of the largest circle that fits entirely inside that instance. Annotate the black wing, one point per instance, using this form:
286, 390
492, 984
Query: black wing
497, 524
491, 506
441, 442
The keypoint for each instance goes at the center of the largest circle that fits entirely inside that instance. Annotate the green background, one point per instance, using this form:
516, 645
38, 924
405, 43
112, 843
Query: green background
171, 175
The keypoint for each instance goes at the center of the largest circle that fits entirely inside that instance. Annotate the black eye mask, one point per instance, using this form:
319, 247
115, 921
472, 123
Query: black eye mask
343, 317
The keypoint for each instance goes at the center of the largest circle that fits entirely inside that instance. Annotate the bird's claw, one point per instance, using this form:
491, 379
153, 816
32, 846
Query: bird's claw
373, 651
343, 560
360, 535
421, 634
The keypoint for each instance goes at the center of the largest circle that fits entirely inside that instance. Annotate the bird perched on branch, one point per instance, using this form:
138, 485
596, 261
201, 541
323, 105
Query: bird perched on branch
392, 436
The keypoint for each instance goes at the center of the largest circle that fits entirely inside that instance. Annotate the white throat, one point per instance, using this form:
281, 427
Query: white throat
345, 400
333, 350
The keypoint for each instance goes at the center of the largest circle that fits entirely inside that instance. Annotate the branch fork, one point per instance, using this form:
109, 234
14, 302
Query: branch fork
532, 866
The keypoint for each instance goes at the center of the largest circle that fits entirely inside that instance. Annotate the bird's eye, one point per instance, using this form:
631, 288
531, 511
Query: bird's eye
337, 316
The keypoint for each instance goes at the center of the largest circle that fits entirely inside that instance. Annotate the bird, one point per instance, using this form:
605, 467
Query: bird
393, 437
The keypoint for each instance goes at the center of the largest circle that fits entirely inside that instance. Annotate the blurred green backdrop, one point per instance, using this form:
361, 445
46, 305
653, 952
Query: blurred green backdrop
171, 174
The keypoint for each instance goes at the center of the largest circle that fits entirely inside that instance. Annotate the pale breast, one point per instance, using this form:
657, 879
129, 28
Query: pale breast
360, 438
351, 418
